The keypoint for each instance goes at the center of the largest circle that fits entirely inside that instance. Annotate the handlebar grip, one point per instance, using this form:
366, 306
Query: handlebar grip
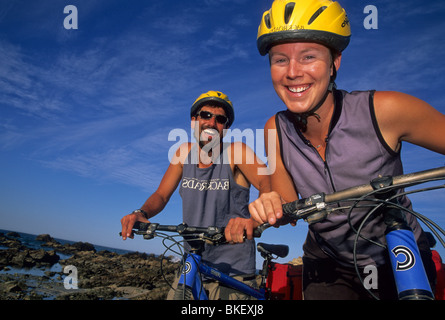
291, 207
142, 226
258, 231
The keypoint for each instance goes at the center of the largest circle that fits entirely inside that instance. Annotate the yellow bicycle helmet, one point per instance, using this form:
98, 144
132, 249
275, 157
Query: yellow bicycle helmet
321, 21
218, 98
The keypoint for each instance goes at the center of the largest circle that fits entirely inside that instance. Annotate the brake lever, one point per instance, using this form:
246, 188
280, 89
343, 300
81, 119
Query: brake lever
311, 209
315, 216
149, 232
216, 235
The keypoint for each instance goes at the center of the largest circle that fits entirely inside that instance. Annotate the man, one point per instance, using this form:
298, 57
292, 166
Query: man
214, 179
329, 140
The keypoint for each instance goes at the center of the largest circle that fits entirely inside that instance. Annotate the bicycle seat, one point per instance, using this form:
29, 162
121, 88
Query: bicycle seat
279, 250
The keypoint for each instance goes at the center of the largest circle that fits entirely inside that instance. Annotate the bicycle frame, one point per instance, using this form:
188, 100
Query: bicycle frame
409, 273
194, 269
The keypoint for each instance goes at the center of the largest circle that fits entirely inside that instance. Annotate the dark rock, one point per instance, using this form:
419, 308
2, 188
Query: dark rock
27, 258
44, 238
101, 275
11, 243
13, 286
13, 234
84, 246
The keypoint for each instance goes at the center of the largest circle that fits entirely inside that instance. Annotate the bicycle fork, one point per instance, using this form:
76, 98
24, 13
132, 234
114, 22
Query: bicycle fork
407, 266
190, 281
409, 273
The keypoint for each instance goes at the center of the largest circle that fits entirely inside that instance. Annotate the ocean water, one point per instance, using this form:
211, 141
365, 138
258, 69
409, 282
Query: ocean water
29, 240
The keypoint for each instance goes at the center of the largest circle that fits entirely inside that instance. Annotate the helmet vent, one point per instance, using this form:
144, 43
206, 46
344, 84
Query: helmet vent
288, 10
267, 21
316, 14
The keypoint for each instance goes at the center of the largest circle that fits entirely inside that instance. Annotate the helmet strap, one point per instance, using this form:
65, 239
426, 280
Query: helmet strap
301, 118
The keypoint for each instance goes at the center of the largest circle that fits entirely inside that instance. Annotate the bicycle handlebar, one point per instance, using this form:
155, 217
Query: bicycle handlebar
181, 228
314, 208
214, 235
405, 180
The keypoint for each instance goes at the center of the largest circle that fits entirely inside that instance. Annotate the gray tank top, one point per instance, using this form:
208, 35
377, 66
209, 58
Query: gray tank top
211, 197
355, 154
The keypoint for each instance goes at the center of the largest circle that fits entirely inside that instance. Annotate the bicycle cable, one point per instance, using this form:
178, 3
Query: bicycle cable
180, 245
387, 203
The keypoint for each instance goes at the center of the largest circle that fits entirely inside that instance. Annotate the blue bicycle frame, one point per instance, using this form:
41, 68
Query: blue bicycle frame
190, 281
194, 269
409, 272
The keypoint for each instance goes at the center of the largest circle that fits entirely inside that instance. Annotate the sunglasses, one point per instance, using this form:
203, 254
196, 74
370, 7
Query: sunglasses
205, 115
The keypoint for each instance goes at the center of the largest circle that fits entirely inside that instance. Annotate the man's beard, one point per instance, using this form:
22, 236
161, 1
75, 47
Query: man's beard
210, 147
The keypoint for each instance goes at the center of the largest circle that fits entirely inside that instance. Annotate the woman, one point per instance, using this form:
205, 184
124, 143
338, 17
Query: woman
329, 140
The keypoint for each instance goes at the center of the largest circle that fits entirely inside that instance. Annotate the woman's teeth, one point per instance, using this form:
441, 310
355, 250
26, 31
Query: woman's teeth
298, 89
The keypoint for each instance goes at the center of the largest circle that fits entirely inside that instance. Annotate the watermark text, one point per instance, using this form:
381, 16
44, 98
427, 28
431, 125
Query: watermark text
247, 147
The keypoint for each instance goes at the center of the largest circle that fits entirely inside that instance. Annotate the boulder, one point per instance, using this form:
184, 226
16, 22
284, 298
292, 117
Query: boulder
13, 234
84, 246
44, 238
28, 258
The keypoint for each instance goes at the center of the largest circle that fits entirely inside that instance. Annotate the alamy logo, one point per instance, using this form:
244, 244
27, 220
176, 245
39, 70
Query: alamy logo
71, 20
409, 261
254, 139
70, 281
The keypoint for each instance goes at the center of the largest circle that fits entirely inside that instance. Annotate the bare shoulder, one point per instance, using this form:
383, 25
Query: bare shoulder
393, 101
270, 124
403, 117
393, 107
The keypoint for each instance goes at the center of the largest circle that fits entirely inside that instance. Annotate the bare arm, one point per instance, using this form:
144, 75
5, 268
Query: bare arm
252, 169
159, 199
268, 207
248, 170
402, 117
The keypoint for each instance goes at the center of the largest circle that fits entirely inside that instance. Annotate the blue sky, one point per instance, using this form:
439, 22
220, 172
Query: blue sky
85, 114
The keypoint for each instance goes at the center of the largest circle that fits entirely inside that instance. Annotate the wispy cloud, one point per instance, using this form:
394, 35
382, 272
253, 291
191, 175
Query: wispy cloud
389, 59
95, 110
19, 81
116, 165
137, 163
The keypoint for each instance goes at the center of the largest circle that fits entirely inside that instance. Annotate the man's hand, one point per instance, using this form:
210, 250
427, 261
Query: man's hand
128, 222
238, 229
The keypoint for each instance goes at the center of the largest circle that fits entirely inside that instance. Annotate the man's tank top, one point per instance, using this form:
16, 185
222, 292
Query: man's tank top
356, 153
211, 197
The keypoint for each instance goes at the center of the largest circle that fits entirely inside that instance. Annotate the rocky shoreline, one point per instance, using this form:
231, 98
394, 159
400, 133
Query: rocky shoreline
102, 275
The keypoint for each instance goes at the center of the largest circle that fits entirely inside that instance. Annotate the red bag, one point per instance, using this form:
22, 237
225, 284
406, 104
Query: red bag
285, 281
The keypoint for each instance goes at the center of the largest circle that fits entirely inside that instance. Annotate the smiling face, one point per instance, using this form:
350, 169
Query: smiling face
301, 73
209, 131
